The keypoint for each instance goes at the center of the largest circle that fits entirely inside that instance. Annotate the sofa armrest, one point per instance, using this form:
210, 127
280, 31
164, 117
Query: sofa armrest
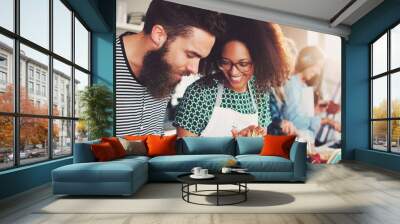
83, 152
298, 155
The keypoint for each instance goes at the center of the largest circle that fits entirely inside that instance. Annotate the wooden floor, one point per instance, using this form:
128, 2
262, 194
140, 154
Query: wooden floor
377, 188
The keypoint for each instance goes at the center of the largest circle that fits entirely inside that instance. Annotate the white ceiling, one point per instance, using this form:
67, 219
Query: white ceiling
319, 9
315, 15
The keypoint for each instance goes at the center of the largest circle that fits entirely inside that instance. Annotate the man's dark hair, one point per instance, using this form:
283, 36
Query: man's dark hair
177, 19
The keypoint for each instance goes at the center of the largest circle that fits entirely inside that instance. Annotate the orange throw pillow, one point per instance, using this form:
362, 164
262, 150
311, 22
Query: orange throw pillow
116, 145
161, 145
277, 145
136, 137
103, 152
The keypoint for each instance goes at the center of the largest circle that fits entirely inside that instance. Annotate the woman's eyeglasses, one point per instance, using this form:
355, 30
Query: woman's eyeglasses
242, 66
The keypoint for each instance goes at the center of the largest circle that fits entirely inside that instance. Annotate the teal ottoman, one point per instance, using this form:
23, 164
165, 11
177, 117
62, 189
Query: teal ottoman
118, 177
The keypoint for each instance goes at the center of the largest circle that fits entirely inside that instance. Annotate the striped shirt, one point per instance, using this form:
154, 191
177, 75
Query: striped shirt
137, 111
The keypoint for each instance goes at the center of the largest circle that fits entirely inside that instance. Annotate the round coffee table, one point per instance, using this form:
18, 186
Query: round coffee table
238, 179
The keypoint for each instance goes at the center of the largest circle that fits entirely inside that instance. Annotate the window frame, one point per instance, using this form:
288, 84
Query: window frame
388, 74
15, 72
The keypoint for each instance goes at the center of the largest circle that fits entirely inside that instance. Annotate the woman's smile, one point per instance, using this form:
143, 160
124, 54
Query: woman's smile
235, 78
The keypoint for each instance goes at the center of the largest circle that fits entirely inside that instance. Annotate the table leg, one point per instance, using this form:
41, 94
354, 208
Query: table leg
188, 189
245, 193
182, 188
196, 188
217, 194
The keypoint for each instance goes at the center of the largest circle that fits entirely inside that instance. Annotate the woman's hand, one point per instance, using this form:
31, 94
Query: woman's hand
250, 131
181, 132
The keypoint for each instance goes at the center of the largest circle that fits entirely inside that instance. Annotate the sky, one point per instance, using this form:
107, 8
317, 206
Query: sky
395, 45
35, 27
379, 90
379, 58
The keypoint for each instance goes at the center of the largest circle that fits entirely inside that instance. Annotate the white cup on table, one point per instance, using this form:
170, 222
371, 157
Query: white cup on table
196, 171
203, 172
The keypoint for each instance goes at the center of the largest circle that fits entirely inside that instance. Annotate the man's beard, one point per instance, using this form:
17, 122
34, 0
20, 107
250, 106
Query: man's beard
156, 74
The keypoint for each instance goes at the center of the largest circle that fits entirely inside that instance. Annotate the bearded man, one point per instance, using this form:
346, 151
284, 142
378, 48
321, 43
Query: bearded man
151, 63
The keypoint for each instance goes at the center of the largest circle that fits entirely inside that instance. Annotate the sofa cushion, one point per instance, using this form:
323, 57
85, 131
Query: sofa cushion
136, 137
249, 145
131, 158
134, 147
185, 163
111, 171
103, 152
161, 145
207, 145
116, 145
257, 163
93, 172
277, 145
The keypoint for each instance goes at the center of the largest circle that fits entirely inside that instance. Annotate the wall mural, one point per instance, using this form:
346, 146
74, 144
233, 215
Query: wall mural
192, 72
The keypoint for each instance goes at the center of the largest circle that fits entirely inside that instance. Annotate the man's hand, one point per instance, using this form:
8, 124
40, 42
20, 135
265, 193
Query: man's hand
334, 124
288, 127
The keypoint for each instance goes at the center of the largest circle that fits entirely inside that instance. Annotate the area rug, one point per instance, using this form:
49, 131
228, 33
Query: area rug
167, 198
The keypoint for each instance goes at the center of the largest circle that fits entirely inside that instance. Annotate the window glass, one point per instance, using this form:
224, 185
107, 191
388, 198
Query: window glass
34, 81
39, 62
379, 98
7, 14
81, 45
395, 136
379, 56
34, 21
6, 74
62, 29
62, 137
379, 135
81, 131
62, 91
6, 142
43, 91
395, 94
395, 47
33, 139
30, 87
30, 72
81, 82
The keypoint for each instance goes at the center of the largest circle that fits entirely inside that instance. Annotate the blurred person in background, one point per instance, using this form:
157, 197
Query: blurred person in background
303, 101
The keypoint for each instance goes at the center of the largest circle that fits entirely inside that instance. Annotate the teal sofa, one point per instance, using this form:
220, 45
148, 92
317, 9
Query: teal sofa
125, 176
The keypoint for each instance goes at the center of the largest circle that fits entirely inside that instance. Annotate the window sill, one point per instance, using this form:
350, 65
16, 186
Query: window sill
26, 167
